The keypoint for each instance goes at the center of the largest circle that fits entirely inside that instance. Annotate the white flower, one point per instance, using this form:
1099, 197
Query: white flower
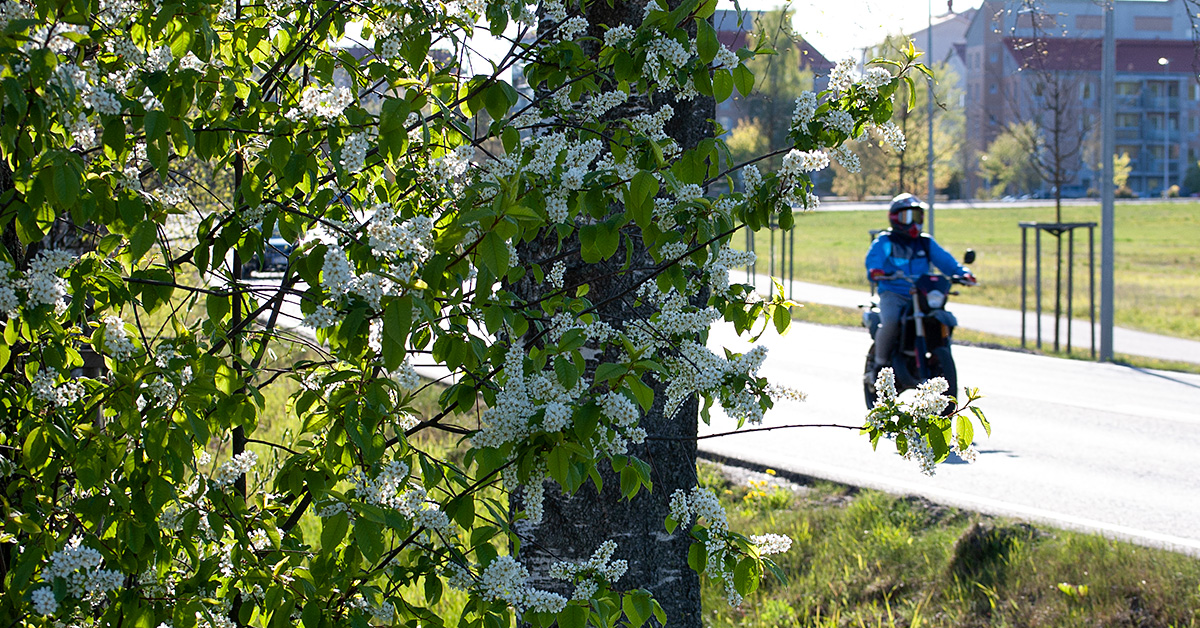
875, 78
234, 468
847, 158
842, 76
354, 153
618, 34
117, 340
797, 162
43, 598
891, 135
771, 543
806, 108
324, 103
726, 58
839, 120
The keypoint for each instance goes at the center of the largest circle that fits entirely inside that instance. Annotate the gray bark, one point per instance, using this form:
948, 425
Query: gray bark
573, 527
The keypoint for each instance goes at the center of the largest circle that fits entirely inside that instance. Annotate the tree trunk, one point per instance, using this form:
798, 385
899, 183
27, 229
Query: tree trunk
574, 527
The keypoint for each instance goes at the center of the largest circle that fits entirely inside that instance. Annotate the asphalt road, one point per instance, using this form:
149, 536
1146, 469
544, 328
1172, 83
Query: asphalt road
1088, 446
1080, 445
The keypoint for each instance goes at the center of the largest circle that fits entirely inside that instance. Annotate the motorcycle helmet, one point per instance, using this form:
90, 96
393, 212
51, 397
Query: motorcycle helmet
906, 215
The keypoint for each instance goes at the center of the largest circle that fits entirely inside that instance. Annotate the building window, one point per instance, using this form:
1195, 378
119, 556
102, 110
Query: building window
1087, 91
1152, 23
1126, 88
993, 88
1127, 120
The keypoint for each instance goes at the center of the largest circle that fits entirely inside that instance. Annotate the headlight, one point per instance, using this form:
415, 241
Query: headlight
935, 298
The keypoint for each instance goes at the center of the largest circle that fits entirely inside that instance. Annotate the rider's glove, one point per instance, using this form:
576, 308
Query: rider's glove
876, 274
969, 279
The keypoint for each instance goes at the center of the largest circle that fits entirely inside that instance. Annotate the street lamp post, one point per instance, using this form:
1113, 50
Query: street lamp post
1166, 64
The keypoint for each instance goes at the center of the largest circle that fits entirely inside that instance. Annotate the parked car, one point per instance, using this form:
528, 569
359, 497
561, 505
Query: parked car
274, 257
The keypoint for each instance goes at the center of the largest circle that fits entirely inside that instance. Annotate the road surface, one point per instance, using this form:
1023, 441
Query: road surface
1094, 447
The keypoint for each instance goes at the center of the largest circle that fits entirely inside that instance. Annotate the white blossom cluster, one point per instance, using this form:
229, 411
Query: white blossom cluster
572, 28
116, 339
874, 78
82, 568
505, 579
846, 157
354, 153
890, 135
702, 503
326, 103
392, 239
618, 35
769, 544
841, 77
234, 468
41, 282
725, 58
383, 613
83, 83
44, 386
797, 162
589, 575
806, 109
510, 418
172, 194
752, 178
405, 376
697, 369
664, 56
601, 103
929, 402
720, 264
9, 302
12, 10
839, 120
390, 489
43, 598
651, 125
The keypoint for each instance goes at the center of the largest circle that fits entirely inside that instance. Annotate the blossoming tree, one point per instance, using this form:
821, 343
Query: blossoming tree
438, 217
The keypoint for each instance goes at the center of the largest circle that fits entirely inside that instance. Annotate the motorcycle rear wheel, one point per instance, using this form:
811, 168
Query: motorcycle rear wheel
941, 364
868, 381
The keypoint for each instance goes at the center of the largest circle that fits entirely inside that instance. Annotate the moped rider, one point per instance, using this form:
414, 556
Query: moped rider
903, 249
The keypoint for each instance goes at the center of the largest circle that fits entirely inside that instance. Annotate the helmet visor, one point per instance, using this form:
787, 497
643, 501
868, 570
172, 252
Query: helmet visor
908, 216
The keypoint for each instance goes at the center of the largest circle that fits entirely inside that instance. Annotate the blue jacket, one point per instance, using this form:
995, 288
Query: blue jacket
911, 257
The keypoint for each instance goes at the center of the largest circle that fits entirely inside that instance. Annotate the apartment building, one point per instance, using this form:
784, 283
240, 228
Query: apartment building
1011, 47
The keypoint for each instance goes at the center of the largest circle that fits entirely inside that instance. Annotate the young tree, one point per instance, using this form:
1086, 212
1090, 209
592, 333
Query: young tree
137, 361
1006, 167
780, 76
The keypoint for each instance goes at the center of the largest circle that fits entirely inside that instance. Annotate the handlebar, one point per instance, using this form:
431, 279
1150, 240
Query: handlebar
899, 275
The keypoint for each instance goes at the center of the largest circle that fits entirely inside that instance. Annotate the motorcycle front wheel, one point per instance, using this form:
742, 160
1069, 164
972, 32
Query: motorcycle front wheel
941, 364
868, 380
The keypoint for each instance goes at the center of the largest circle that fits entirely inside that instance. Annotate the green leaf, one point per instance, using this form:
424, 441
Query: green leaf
573, 616
493, 253
698, 557
743, 79
987, 427
706, 41
722, 82
333, 530
965, 432
567, 374
746, 576
156, 125
783, 319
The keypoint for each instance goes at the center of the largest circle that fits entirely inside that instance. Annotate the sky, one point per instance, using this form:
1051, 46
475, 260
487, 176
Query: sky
840, 28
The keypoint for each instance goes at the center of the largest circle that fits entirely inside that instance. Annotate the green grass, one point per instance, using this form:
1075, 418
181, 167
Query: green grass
864, 558
1157, 288
852, 317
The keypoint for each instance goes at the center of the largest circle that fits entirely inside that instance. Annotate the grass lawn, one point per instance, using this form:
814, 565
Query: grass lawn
1157, 256
865, 558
